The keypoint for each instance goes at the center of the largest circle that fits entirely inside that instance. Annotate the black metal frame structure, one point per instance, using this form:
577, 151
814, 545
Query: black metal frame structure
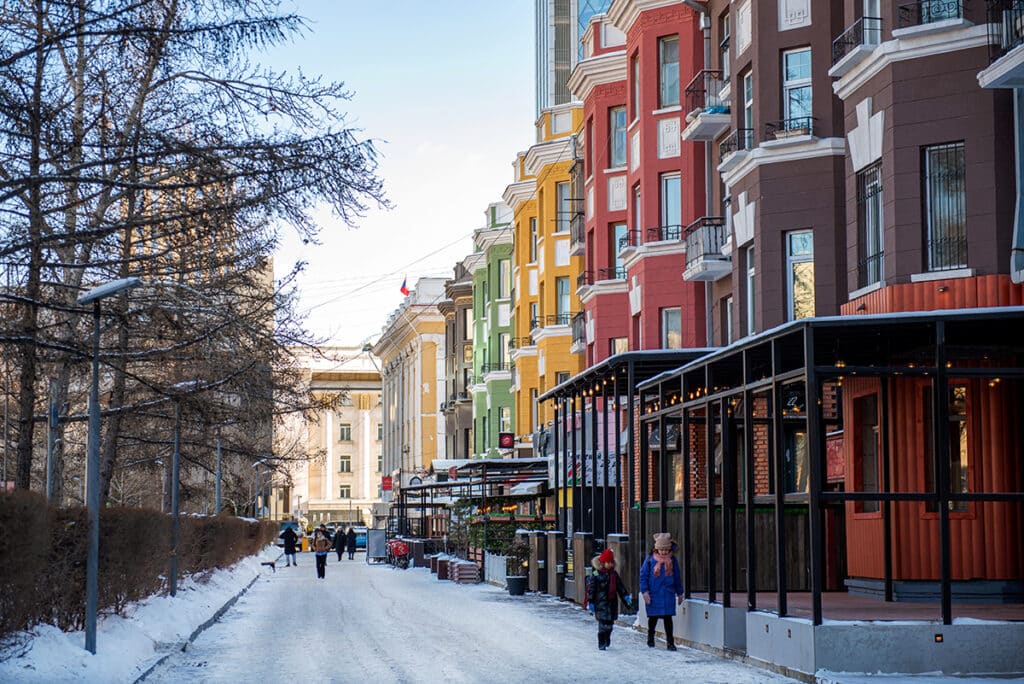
800, 361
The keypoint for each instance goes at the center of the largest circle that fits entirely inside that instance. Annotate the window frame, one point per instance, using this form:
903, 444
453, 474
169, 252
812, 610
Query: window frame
668, 70
958, 204
504, 278
870, 225
563, 206
344, 459
666, 192
344, 432
792, 260
664, 314
533, 239
617, 142
796, 84
344, 491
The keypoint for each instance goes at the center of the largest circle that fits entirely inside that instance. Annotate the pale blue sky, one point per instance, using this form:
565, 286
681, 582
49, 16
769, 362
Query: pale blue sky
447, 87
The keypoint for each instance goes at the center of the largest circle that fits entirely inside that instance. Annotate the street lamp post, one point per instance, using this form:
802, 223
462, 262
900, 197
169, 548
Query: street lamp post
216, 498
92, 475
177, 389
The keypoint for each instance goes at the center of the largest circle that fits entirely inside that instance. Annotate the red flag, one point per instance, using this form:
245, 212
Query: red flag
404, 290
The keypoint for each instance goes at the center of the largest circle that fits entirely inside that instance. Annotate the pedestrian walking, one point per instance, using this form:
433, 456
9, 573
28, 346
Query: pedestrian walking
661, 585
340, 539
605, 589
350, 543
290, 539
321, 547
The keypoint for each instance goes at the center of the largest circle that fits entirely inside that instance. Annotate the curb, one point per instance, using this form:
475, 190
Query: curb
183, 644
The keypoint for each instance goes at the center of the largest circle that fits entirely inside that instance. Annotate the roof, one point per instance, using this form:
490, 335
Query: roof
644, 364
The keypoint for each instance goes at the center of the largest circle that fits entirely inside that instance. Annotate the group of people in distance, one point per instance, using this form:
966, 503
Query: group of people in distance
661, 587
321, 545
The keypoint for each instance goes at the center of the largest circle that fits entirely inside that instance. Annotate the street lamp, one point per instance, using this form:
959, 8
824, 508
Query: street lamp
177, 390
256, 487
92, 468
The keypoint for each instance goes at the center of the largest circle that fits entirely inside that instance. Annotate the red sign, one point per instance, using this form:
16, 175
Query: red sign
506, 440
385, 483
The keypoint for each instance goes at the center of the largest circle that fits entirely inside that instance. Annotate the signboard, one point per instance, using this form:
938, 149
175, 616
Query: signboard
385, 483
506, 440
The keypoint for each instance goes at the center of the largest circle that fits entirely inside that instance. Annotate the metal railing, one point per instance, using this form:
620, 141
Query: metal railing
578, 230
739, 140
947, 253
579, 328
1005, 26
613, 273
664, 233
703, 93
870, 269
520, 342
784, 128
632, 239
558, 319
493, 367
928, 11
705, 238
864, 31
584, 279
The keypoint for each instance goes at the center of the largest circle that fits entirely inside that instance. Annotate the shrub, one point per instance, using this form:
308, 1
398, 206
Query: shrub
517, 555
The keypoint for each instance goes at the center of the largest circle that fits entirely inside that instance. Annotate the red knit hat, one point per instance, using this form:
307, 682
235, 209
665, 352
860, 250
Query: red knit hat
606, 556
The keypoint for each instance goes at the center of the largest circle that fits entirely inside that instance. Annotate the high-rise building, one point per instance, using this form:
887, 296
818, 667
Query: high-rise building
559, 26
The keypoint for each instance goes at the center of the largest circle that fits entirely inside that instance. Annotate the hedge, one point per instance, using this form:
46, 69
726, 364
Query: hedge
43, 552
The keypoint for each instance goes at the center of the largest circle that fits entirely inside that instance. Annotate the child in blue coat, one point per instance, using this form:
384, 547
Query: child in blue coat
661, 585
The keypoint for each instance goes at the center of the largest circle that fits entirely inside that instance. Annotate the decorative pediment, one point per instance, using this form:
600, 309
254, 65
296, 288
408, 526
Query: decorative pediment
743, 220
866, 139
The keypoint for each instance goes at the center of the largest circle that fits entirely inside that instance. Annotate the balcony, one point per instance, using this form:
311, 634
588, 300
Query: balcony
734, 148
577, 235
557, 319
496, 367
784, 130
854, 45
616, 273
520, 342
585, 279
709, 115
705, 238
630, 241
1005, 32
664, 234
936, 14
579, 333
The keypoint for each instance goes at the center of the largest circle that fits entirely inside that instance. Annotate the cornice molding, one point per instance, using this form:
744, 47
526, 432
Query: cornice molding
590, 73
760, 156
623, 13
517, 193
545, 154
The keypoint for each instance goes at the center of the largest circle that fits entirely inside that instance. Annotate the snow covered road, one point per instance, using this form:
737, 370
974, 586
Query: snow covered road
374, 623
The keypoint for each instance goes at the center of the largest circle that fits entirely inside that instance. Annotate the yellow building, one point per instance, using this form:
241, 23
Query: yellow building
545, 272
411, 350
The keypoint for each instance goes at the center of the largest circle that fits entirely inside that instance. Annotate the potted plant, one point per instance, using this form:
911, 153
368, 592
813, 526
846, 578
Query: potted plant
517, 559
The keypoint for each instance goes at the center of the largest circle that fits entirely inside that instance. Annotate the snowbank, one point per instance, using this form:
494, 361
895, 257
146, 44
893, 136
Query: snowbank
127, 646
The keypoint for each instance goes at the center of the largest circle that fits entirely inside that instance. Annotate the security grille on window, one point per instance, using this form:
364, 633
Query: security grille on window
344, 464
869, 216
668, 71
345, 432
945, 207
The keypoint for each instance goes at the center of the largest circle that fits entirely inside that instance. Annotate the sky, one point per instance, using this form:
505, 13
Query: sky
446, 89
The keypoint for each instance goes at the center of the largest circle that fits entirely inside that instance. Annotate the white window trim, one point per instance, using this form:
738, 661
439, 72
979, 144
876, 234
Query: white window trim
798, 83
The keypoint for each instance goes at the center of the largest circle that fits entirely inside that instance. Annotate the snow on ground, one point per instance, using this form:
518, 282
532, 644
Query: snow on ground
127, 646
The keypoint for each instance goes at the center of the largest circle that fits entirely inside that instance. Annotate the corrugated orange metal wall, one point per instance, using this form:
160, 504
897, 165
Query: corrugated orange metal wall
933, 295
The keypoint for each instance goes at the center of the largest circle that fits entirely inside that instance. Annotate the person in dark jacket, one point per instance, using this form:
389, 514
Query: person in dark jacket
661, 585
350, 543
339, 542
321, 547
605, 589
290, 539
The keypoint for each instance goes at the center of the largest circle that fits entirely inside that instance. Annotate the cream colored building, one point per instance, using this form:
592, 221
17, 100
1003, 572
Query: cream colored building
411, 350
339, 481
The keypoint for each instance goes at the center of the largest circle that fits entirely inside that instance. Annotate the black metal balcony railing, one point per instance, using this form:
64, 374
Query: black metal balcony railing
493, 367
705, 238
534, 323
870, 269
520, 342
614, 273
584, 279
578, 229
579, 328
947, 253
738, 140
1005, 26
664, 233
928, 11
703, 93
558, 319
784, 128
632, 239
864, 31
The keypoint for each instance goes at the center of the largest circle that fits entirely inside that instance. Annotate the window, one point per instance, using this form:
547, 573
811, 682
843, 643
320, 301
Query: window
668, 71
869, 215
505, 418
467, 323
561, 376
534, 322
872, 29
533, 409
618, 234
800, 274
344, 464
724, 32
345, 432
636, 211
945, 212
617, 136
564, 207
504, 278
504, 349
588, 159
727, 334
533, 239
380, 432
796, 89
748, 110
671, 202
562, 299
671, 328
958, 455
467, 353
751, 290
344, 491
635, 92
380, 462
618, 345
866, 449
